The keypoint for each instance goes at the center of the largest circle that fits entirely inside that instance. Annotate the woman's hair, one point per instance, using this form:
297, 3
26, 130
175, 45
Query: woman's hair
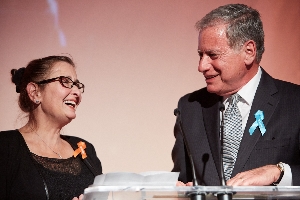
36, 70
243, 24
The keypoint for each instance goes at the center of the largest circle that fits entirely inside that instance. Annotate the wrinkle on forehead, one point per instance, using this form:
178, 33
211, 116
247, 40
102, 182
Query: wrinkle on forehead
63, 69
213, 39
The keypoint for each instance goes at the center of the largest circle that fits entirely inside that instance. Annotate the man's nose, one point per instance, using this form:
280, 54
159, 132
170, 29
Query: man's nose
204, 64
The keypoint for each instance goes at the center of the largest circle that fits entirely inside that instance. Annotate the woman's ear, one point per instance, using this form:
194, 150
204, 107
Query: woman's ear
33, 92
250, 52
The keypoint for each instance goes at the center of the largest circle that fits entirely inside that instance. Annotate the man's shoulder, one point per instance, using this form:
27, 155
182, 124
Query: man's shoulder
285, 85
281, 85
201, 96
287, 90
201, 93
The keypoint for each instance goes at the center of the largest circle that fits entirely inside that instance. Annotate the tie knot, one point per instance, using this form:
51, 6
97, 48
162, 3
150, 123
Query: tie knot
234, 99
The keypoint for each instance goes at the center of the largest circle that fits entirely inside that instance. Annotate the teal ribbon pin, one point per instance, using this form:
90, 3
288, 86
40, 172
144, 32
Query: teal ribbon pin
259, 116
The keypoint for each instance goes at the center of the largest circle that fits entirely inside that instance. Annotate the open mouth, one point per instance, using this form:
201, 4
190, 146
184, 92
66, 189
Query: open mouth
70, 103
210, 77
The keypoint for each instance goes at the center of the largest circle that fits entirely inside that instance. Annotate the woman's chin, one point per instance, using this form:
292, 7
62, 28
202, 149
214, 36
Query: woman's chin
71, 117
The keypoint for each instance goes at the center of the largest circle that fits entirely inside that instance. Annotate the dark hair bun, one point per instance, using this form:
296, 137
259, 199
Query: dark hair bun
16, 78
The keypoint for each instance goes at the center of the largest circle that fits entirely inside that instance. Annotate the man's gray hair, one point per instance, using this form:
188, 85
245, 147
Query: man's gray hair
243, 24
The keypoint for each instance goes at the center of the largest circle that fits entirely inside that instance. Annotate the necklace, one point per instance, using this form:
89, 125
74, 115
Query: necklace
49, 146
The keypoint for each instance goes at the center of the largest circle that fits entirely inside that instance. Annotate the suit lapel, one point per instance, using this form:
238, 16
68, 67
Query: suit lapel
212, 127
265, 102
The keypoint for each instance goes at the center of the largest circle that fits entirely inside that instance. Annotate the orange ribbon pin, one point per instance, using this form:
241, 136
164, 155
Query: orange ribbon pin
81, 147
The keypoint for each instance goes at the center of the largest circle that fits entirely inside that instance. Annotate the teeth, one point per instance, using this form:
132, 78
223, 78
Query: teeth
70, 103
209, 77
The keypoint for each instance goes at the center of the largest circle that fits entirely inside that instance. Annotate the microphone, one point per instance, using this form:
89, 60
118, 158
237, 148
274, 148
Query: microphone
222, 108
193, 195
223, 195
205, 158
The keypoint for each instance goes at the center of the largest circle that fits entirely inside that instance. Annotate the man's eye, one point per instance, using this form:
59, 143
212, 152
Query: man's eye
213, 56
200, 55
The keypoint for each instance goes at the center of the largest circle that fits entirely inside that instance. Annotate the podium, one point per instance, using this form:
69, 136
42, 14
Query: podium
182, 193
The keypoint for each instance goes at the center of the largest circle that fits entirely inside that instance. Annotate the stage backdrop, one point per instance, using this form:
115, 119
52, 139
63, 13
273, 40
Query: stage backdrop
136, 58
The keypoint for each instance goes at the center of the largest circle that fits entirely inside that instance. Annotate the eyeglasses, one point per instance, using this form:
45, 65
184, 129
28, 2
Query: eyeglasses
65, 82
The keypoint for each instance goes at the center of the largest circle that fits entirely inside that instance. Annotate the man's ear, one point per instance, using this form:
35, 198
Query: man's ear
33, 92
250, 52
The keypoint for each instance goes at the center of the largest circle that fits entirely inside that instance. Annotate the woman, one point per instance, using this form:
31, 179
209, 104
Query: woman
36, 161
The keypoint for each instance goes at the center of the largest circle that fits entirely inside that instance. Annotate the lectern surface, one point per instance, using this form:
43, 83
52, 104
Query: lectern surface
182, 193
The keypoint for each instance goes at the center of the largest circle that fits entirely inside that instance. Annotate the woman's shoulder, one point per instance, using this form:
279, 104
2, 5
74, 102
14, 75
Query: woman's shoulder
11, 139
9, 134
73, 140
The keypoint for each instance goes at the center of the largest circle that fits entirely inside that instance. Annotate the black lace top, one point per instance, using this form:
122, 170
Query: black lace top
65, 178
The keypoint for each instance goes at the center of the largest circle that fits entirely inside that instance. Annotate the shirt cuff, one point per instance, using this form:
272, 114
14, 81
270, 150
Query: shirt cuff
287, 179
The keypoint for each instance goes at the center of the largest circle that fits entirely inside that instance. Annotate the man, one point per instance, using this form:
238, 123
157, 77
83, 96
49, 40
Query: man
230, 46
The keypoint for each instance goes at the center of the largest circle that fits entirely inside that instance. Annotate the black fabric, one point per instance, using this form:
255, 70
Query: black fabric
65, 178
20, 177
199, 114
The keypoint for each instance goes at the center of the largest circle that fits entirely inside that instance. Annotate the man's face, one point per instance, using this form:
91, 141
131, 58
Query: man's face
224, 68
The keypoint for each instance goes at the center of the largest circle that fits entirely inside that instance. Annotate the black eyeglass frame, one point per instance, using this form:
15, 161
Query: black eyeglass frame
79, 85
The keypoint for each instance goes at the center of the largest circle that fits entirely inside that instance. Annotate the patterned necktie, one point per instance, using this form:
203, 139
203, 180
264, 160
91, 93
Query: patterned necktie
232, 134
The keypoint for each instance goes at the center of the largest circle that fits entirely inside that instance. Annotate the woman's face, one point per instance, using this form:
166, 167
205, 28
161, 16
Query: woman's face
58, 103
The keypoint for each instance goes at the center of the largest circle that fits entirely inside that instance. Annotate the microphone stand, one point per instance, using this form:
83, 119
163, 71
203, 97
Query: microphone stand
223, 195
193, 195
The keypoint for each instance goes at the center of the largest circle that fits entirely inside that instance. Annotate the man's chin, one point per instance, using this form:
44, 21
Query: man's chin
212, 89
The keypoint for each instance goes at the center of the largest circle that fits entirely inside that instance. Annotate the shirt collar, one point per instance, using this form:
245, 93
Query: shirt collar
248, 91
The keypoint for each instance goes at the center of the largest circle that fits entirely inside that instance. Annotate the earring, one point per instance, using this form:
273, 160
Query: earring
37, 101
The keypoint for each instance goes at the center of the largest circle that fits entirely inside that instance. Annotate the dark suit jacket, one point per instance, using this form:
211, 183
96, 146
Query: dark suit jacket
199, 114
20, 178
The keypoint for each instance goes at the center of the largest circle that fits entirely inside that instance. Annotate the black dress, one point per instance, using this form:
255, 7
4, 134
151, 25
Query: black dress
29, 176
